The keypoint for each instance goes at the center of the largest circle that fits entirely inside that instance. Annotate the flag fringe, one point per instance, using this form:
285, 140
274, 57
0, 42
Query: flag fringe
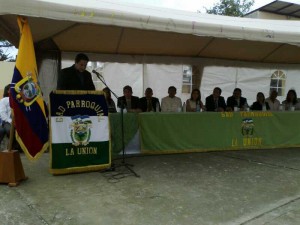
29, 156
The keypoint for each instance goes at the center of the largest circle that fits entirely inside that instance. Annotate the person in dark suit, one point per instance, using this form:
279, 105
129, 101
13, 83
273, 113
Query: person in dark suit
149, 103
215, 102
76, 77
129, 102
236, 100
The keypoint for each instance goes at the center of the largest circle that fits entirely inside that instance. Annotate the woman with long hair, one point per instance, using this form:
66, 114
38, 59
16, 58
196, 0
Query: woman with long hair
194, 101
110, 102
291, 100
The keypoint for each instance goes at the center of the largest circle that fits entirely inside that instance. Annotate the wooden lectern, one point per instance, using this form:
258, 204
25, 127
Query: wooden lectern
11, 168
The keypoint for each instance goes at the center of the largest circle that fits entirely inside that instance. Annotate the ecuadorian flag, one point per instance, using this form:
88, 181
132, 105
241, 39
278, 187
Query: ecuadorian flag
26, 99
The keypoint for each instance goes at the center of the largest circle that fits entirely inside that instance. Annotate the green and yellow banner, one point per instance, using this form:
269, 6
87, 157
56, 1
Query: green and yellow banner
197, 132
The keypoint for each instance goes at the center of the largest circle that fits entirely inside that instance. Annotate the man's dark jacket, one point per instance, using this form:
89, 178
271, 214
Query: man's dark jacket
210, 103
71, 79
231, 102
154, 101
135, 102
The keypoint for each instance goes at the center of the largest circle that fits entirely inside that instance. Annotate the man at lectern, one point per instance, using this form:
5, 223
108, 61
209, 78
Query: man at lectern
76, 77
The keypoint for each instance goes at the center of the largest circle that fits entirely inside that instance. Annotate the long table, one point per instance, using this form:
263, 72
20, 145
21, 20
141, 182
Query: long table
207, 131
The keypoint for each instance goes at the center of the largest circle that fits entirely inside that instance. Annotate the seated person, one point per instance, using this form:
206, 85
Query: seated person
149, 103
5, 114
272, 101
291, 100
128, 101
194, 101
215, 102
260, 104
109, 101
171, 103
236, 100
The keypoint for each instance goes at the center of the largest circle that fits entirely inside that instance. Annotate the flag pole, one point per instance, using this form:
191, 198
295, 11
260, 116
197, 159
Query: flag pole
11, 168
11, 134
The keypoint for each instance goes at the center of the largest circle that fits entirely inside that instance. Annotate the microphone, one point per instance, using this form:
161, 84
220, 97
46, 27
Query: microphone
97, 74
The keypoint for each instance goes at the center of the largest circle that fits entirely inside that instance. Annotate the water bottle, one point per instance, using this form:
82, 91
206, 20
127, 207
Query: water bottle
246, 107
198, 107
157, 107
264, 108
184, 107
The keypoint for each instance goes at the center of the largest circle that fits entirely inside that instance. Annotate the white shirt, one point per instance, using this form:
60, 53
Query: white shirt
5, 111
274, 106
170, 104
289, 105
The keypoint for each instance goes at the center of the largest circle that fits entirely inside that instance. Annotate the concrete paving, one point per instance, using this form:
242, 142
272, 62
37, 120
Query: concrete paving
232, 187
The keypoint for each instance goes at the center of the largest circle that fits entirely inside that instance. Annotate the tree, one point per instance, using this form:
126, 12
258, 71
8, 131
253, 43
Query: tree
235, 8
4, 51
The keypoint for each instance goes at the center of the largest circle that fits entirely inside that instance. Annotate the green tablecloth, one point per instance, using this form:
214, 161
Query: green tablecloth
196, 132
130, 122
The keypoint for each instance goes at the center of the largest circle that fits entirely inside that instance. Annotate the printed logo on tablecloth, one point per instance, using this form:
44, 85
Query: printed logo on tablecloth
247, 127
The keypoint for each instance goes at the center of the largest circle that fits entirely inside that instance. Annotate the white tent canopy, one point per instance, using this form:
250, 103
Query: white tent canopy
104, 26
142, 36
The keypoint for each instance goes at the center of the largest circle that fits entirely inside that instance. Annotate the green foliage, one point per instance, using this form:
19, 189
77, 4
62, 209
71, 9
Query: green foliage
4, 49
235, 8
3, 57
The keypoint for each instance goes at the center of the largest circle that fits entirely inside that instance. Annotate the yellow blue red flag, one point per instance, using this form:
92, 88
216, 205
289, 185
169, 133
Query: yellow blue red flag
26, 99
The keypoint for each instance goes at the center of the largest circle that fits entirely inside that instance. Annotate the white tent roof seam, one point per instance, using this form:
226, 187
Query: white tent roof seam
154, 18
